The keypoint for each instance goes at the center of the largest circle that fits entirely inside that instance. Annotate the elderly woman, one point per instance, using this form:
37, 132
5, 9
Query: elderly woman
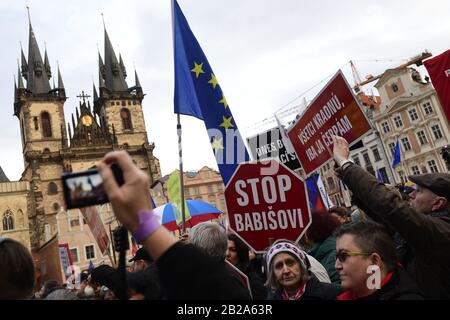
289, 275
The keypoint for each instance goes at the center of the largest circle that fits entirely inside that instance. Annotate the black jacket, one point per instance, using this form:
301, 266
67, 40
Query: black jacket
426, 254
399, 287
315, 290
187, 273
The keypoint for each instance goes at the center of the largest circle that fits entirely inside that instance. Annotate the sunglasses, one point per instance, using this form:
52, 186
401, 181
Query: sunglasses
343, 255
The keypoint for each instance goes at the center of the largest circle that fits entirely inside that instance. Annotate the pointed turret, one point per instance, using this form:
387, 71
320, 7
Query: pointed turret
94, 90
101, 72
24, 66
37, 81
16, 94
114, 78
136, 80
21, 86
47, 68
122, 66
60, 81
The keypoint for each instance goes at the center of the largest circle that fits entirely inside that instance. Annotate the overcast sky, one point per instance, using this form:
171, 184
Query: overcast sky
264, 54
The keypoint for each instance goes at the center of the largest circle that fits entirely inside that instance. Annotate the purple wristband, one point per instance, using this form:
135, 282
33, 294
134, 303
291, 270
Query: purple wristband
148, 224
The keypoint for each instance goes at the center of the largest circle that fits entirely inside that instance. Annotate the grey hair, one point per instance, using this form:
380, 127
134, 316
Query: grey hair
211, 237
62, 294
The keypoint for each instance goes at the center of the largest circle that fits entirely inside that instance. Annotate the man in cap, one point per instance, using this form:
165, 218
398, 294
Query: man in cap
141, 260
424, 222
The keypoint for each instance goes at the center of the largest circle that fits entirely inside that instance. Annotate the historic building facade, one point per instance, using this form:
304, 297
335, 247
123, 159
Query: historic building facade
32, 209
410, 112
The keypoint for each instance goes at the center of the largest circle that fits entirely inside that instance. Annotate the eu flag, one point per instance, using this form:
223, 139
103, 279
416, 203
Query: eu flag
198, 94
397, 156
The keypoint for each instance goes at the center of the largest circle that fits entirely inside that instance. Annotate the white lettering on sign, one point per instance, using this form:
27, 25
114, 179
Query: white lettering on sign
268, 148
447, 73
273, 189
270, 220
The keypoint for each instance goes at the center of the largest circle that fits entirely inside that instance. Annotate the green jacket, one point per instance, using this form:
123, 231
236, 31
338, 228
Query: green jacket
325, 253
427, 257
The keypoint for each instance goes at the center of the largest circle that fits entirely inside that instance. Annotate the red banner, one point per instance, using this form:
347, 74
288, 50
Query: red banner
95, 223
439, 71
334, 111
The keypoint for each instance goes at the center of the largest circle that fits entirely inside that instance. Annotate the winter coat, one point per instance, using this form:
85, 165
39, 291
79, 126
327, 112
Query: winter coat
325, 253
425, 254
399, 287
315, 290
187, 273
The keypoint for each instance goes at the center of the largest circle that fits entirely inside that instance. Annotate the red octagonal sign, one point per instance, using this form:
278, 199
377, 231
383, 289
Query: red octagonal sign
266, 201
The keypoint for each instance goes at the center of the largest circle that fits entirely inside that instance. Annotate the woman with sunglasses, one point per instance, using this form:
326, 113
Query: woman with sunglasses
367, 265
289, 276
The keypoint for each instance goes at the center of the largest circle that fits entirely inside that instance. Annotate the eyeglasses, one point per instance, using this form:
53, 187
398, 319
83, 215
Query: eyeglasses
343, 255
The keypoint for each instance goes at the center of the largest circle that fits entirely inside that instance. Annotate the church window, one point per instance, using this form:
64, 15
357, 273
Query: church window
8, 221
36, 123
124, 103
46, 124
52, 188
126, 119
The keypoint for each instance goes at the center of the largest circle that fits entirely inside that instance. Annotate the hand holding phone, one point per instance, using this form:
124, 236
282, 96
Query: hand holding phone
85, 188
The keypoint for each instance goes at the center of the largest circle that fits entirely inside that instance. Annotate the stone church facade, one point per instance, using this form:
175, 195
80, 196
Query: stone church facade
32, 210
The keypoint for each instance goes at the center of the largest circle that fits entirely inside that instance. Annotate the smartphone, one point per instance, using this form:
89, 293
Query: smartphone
85, 188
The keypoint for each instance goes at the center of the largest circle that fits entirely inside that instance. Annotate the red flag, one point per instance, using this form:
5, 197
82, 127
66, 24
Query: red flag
439, 71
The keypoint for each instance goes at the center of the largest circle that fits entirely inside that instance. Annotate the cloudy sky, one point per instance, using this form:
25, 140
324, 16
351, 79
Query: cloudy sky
264, 53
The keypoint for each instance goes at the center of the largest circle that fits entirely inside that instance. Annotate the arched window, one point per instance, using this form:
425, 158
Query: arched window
126, 119
8, 221
52, 188
46, 124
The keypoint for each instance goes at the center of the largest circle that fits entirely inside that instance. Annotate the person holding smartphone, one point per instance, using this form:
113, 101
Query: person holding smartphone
185, 271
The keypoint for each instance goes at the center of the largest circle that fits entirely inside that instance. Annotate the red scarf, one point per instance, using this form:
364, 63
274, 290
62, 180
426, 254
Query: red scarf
348, 295
297, 296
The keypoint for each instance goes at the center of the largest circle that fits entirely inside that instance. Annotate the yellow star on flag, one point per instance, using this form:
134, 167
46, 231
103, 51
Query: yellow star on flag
217, 144
197, 69
224, 101
213, 81
226, 123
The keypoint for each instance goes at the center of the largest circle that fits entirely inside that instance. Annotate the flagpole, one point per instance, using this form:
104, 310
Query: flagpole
180, 158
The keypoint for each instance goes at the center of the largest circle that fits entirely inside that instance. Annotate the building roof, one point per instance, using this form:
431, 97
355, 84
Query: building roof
3, 177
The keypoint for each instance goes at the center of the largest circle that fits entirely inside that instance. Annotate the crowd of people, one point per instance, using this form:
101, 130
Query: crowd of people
394, 246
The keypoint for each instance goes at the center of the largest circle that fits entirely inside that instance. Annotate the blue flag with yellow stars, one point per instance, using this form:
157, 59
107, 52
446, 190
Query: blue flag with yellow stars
198, 94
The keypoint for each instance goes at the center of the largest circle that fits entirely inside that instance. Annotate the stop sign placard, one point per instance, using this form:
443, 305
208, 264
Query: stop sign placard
266, 204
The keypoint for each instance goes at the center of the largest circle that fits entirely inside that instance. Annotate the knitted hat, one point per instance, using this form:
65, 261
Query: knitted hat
287, 247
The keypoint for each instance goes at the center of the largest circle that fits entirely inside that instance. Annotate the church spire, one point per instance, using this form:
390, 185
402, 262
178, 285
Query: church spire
47, 68
122, 66
60, 81
94, 90
101, 72
114, 77
136, 80
24, 67
37, 81
19, 76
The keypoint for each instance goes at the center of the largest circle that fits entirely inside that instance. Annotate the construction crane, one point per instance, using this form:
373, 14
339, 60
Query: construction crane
417, 60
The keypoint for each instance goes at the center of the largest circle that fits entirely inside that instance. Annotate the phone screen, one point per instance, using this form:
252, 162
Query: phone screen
83, 189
